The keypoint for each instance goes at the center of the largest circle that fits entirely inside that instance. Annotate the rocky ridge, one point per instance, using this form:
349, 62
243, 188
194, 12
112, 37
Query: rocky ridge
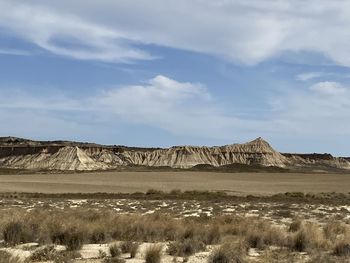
64, 155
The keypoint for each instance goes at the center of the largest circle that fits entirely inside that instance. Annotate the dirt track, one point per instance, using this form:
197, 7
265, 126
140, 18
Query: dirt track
236, 183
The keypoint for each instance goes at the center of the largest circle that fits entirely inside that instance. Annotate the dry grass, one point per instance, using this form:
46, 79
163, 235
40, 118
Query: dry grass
115, 250
186, 236
17, 232
295, 225
308, 237
327, 258
185, 247
153, 254
130, 247
114, 260
262, 235
334, 229
6, 257
342, 248
49, 253
229, 252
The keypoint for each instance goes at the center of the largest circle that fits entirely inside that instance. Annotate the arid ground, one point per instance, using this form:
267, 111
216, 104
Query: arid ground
129, 182
101, 217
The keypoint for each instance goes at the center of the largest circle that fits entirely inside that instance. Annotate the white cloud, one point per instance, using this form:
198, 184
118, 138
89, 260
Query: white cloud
246, 31
181, 108
320, 113
15, 52
328, 88
178, 107
66, 34
308, 76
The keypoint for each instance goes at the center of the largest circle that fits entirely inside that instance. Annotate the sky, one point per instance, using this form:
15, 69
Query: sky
163, 73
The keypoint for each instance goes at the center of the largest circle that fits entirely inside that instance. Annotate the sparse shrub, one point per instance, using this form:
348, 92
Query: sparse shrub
125, 246
255, 240
263, 235
97, 236
295, 194
333, 229
213, 235
299, 241
176, 192
278, 256
308, 237
15, 233
295, 225
185, 247
133, 249
153, 254
130, 247
102, 254
44, 254
342, 248
114, 260
115, 250
227, 253
154, 192
6, 257
73, 239
56, 233
326, 258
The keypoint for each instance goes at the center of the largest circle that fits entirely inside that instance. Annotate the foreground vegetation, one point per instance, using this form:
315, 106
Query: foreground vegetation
230, 237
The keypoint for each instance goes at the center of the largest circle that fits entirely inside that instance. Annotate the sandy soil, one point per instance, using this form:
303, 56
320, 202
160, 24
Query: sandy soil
126, 182
90, 254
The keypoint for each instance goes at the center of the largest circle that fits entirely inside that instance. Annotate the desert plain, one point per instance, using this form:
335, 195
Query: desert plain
183, 216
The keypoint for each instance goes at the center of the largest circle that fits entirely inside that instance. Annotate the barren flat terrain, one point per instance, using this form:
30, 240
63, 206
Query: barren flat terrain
128, 182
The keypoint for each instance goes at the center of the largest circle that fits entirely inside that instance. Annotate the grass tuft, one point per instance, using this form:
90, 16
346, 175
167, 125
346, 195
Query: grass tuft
227, 253
130, 247
6, 257
153, 254
115, 250
342, 248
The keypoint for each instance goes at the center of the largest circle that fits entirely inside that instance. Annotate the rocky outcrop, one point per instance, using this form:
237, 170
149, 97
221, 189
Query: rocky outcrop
66, 158
317, 160
63, 155
255, 152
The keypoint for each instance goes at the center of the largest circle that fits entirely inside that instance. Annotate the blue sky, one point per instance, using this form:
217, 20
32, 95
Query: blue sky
152, 73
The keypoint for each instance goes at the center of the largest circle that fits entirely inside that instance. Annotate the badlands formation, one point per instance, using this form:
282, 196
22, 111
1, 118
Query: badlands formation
19, 153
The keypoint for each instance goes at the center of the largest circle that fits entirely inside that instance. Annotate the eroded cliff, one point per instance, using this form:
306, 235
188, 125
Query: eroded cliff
63, 155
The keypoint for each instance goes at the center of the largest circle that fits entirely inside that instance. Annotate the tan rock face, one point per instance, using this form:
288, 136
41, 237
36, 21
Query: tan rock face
255, 152
19, 153
66, 158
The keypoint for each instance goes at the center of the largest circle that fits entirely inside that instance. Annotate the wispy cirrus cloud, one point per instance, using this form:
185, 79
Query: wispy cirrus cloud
66, 34
245, 32
309, 76
329, 88
15, 52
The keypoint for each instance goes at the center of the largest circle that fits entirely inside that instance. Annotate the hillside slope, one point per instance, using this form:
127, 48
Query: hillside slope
63, 155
